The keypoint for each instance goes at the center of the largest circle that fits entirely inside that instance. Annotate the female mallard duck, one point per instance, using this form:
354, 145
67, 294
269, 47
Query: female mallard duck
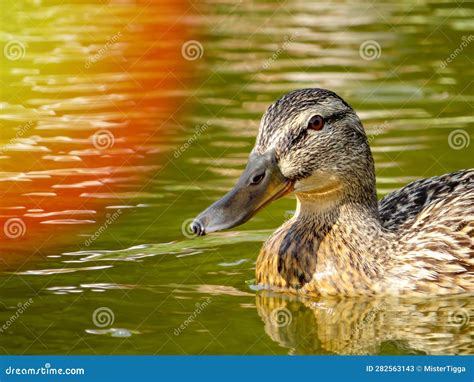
342, 241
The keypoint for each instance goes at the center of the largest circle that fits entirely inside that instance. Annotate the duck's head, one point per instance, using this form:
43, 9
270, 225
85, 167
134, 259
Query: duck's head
311, 142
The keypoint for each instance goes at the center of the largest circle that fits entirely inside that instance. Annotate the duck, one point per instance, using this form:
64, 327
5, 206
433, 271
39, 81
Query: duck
343, 241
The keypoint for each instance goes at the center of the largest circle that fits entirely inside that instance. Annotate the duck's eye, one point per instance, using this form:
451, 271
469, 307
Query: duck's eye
257, 178
316, 122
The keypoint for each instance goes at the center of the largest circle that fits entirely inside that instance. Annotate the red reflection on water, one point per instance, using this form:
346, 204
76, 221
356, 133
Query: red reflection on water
87, 119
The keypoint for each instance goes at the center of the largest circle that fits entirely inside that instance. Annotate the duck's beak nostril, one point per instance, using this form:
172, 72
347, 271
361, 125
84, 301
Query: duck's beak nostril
198, 228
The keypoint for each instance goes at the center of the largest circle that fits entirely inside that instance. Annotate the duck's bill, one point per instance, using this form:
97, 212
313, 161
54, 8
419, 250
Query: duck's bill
261, 183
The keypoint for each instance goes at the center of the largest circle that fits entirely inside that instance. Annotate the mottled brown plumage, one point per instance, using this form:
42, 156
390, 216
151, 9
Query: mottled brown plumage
417, 240
415, 246
342, 241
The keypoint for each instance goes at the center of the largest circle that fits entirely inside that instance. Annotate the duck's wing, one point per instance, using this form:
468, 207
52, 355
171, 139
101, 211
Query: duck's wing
434, 221
403, 206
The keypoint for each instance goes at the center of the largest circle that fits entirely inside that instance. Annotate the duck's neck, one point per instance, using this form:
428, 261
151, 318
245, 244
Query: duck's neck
325, 241
331, 207
353, 226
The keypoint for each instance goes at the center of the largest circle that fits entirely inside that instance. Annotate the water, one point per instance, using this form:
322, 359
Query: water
112, 140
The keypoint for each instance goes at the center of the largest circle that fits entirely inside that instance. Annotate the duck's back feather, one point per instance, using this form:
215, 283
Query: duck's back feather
403, 207
433, 220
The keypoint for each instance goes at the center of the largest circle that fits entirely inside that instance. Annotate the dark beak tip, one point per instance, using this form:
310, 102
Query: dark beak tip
198, 228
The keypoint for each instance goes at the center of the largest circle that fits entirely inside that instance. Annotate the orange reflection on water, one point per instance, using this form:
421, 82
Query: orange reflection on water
88, 94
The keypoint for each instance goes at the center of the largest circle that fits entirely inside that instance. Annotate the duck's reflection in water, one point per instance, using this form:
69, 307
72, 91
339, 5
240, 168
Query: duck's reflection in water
369, 326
